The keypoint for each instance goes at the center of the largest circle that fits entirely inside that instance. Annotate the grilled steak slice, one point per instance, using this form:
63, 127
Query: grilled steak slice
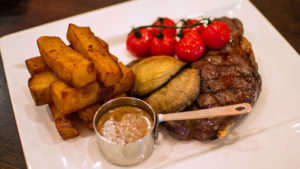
228, 76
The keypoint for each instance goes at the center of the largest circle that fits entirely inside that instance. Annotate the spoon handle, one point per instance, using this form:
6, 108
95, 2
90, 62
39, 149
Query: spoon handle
230, 110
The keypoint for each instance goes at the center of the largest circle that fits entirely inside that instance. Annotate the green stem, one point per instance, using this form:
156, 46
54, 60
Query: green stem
166, 26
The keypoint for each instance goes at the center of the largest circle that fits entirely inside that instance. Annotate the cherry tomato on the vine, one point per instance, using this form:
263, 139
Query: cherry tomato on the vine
216, 35
166, 22
138, 43
189, 22
163, 46
190, 47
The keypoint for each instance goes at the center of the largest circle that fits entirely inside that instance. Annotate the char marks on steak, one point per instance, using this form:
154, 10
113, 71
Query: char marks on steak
228, 76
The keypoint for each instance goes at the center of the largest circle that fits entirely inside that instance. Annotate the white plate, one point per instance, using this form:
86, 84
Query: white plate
268, 138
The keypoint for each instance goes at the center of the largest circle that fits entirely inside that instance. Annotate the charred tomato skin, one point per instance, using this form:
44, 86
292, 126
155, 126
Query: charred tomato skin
138, 44
163, 46
190, 47
216, 35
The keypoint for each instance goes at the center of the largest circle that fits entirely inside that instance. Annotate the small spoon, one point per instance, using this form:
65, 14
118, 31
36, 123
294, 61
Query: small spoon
230, 110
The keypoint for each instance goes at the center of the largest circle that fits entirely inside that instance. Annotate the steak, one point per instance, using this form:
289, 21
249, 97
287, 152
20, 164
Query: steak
228, 76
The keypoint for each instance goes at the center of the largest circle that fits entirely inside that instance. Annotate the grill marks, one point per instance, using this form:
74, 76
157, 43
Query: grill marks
223, 82
227, 81
228, 76
230, 73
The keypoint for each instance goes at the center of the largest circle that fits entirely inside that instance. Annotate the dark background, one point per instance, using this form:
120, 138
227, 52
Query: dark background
16, 15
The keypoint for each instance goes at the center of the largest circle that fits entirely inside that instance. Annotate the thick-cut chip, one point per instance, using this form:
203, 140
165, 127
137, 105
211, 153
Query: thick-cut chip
126, 82
66, 63
115, 58
82, 39
39, 86
103, 44
106, 47
87, 115
64, 123
68, 99
36, 65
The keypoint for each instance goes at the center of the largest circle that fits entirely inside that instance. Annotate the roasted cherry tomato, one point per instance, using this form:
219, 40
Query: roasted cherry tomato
190, 47
216, 35
163, 46
189, 22
164, 21
138, 42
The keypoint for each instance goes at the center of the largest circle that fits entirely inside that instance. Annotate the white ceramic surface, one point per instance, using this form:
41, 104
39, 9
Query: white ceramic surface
269, 137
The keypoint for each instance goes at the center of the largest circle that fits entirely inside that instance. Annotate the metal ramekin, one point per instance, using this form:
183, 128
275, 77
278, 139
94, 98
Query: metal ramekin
131, 153
140, 150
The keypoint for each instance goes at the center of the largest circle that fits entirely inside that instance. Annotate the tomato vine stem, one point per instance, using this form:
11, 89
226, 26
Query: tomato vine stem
204, 21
